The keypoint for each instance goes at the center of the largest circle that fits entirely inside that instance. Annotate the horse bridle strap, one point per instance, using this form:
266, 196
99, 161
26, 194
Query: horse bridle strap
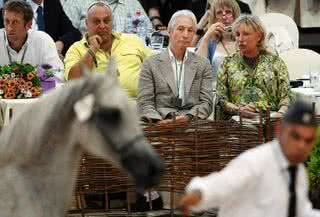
125, 148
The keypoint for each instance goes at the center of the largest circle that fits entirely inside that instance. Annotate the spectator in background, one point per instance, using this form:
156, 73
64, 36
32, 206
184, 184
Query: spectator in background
100, 43
252, 77
160, 11
51, 19
20, 44
218, 41
176, 81
121, 10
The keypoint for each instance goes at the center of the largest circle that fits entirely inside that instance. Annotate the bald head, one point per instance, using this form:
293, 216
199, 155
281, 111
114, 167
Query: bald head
98, 6
99, 20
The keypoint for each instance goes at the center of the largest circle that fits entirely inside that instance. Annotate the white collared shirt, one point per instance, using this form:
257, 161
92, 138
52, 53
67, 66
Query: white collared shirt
179, 67
39, 49
35, 15
255, 184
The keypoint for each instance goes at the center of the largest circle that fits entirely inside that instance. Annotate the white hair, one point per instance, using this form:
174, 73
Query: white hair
185, 13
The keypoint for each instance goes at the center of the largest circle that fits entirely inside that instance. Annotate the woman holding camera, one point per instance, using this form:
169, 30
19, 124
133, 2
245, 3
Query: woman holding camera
252, 78
217, 41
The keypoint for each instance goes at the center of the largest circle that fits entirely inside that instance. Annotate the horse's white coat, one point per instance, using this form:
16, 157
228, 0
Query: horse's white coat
41, 148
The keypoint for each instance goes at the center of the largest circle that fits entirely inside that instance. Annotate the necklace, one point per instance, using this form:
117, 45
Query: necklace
251, 61
9, 55
224, 46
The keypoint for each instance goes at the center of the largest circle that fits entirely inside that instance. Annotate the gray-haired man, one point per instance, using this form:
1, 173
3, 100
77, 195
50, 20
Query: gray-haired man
176, 81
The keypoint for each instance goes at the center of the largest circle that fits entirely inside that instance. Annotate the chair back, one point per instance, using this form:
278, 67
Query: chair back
279, 24
301, 62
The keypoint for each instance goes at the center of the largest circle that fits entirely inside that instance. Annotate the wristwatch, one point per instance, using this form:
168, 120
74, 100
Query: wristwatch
200, 32
190, 116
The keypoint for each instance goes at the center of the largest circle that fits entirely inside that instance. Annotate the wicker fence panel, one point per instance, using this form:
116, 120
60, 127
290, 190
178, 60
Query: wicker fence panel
188, 150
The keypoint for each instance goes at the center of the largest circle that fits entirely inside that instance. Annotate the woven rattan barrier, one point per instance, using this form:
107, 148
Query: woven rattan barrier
189, 150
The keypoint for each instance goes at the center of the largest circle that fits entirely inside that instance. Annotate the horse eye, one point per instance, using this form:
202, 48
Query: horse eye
110, 115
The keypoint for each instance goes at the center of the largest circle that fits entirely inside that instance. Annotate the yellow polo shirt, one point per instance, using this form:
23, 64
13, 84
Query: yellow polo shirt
128, 51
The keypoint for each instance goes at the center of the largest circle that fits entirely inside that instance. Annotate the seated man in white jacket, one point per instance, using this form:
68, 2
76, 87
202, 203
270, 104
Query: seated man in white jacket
19, 44
267, 181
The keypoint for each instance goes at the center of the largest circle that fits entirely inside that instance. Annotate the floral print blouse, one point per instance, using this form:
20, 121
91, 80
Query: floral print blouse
267, 83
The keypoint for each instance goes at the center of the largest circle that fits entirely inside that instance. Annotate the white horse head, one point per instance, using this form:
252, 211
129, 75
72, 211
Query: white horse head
107, 126
41, 148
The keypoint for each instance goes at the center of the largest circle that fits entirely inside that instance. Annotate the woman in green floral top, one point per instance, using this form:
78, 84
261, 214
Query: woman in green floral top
252, 77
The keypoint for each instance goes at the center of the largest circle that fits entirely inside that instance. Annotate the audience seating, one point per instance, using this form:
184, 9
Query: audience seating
272, 22
301, 62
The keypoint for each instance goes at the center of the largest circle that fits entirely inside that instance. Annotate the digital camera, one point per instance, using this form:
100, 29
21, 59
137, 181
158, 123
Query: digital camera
228, 29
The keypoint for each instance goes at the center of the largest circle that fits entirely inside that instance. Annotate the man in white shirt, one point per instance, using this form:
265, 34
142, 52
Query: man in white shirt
267, 181
21, 45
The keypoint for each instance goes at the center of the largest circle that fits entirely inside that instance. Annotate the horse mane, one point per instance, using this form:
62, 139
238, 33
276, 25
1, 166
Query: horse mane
36, 132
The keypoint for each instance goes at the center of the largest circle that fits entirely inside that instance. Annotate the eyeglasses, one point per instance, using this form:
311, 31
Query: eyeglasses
227, 13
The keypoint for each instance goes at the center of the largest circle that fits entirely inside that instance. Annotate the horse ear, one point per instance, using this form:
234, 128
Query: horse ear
112, 69
84, 108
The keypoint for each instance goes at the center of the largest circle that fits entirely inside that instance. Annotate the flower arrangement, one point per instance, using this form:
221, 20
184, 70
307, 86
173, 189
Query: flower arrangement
18, 81
21, 81
47, 77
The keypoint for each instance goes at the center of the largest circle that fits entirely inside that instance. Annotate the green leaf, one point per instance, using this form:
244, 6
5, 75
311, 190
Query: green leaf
36, 81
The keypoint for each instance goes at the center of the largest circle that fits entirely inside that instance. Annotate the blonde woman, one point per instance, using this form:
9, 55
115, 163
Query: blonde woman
252, 76
218, 41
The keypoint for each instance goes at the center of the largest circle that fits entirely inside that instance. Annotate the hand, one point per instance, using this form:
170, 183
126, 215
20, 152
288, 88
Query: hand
215, 31
161, 28
179, 119
94, 42
158, 25
148, 120
59, 46
276, 115
188, 201
248, 111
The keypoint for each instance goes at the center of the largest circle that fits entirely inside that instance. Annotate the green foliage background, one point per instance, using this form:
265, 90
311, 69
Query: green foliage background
313, 164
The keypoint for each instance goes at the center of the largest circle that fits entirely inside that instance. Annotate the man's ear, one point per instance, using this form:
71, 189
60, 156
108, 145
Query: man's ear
29, 24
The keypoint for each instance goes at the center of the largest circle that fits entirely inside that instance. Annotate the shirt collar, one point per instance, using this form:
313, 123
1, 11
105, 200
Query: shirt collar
172, 57
281, 158
115, 1
35, 6
25, 44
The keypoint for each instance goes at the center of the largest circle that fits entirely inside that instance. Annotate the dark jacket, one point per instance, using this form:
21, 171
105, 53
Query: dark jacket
168, 7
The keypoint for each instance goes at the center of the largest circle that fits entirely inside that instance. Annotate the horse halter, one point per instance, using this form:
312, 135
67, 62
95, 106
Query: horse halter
125, 148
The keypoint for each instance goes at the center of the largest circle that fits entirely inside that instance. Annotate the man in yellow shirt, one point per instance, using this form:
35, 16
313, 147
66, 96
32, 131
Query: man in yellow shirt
100, 43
